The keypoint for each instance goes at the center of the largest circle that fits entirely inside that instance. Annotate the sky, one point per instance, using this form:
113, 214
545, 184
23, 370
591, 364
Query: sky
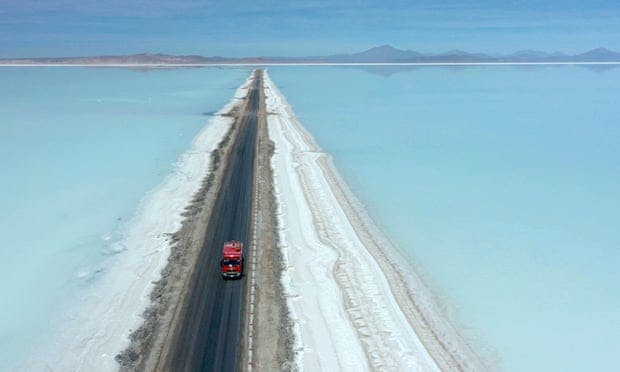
37, 28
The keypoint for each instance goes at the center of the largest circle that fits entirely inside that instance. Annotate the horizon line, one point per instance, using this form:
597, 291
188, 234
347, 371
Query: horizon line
507, 63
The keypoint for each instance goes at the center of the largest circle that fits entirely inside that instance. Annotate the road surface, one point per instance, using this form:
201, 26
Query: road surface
211, 329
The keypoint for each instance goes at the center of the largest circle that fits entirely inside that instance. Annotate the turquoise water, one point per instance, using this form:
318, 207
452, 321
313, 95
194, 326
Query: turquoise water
79, 148
503, 183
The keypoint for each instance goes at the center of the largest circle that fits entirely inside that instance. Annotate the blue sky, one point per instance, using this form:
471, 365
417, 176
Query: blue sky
295, 28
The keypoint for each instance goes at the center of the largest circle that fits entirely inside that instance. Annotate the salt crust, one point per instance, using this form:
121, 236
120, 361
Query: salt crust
344, 313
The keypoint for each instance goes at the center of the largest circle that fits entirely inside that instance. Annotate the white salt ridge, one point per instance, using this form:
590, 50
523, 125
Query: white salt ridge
344, 312
97, 327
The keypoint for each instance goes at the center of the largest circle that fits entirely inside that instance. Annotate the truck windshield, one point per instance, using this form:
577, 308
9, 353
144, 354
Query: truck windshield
230, 262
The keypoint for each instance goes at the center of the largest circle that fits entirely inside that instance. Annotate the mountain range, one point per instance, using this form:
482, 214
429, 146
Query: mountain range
379, 54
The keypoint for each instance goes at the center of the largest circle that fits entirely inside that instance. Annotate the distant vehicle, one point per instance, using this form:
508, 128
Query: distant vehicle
232, 260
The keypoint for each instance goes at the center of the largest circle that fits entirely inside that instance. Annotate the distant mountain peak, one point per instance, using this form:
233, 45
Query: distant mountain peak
600, 54
600, 50
381, 53
384, 48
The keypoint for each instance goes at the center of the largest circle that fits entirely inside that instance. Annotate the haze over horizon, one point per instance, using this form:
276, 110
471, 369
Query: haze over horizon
65, 28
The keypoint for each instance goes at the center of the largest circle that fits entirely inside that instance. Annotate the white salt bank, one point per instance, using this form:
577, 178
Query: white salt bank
344, 306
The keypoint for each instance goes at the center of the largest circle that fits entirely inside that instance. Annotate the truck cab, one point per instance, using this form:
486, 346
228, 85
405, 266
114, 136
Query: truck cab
232, 260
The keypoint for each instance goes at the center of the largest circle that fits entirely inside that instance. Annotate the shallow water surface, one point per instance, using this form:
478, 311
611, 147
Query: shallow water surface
503, 184
79, 149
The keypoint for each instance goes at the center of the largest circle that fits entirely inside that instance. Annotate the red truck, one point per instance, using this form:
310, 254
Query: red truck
232, 260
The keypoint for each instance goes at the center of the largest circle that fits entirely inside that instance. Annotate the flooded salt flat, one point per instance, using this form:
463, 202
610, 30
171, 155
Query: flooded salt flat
501, 183
79, 149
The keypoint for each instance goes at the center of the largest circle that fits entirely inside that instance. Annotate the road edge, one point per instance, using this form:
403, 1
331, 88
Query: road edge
267, 340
